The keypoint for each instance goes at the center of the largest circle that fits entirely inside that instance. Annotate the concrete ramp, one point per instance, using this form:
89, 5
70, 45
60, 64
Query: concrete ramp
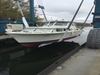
84, 62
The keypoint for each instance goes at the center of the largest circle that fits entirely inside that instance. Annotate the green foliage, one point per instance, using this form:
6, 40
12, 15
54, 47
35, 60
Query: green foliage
9, 9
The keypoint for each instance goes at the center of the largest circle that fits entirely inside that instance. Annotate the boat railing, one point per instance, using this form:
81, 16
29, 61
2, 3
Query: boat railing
48, 23
40, 29
44, 29
53, 26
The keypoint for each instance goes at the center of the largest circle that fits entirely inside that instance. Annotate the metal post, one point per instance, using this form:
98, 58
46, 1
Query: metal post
32, 11
44, 15
96, 14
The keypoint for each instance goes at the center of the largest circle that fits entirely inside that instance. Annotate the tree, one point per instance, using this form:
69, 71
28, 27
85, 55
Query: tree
10, 9
7, 7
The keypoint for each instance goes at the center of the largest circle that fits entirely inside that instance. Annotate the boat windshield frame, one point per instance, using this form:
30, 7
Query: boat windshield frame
56, 23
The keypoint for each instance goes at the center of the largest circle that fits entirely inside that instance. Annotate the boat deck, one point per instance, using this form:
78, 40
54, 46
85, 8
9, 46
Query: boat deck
84, 62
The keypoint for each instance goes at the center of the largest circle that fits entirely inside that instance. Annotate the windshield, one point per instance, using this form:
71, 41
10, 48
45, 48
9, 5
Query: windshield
56, 23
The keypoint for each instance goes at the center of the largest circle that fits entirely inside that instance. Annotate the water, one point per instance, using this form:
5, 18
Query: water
83, 38
5, 72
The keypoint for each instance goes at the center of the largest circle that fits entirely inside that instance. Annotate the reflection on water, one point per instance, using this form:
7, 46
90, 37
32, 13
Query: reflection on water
82, 39
9, 59
5, 72
9, 50
42, 57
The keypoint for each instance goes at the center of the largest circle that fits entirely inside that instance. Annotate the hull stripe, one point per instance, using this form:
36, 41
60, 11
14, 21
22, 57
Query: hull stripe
34, 44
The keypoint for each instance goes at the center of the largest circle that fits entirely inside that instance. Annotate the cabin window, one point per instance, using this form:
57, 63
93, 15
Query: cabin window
60, 29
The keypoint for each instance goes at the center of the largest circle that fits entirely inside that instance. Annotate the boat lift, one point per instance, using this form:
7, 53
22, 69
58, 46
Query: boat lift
31, 22
90, 44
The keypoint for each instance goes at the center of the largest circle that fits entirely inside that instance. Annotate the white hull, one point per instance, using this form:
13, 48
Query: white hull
36, 39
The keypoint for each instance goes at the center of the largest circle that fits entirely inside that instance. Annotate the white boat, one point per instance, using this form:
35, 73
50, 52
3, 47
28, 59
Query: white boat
49, 32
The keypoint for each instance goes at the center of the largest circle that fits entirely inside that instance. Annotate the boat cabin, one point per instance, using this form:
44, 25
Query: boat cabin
58, 26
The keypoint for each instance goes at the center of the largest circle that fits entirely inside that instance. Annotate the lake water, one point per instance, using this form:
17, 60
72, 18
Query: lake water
83, 38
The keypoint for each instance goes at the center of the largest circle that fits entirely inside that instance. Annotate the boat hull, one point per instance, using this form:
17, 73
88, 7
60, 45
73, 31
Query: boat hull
35, 44
33, 40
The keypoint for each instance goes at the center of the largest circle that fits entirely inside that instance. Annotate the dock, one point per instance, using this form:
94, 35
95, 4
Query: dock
84, 62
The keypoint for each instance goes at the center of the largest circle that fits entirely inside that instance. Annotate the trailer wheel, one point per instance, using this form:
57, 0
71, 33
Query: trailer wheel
93, 39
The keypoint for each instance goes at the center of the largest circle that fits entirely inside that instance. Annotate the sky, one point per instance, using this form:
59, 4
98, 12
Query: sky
65, 9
